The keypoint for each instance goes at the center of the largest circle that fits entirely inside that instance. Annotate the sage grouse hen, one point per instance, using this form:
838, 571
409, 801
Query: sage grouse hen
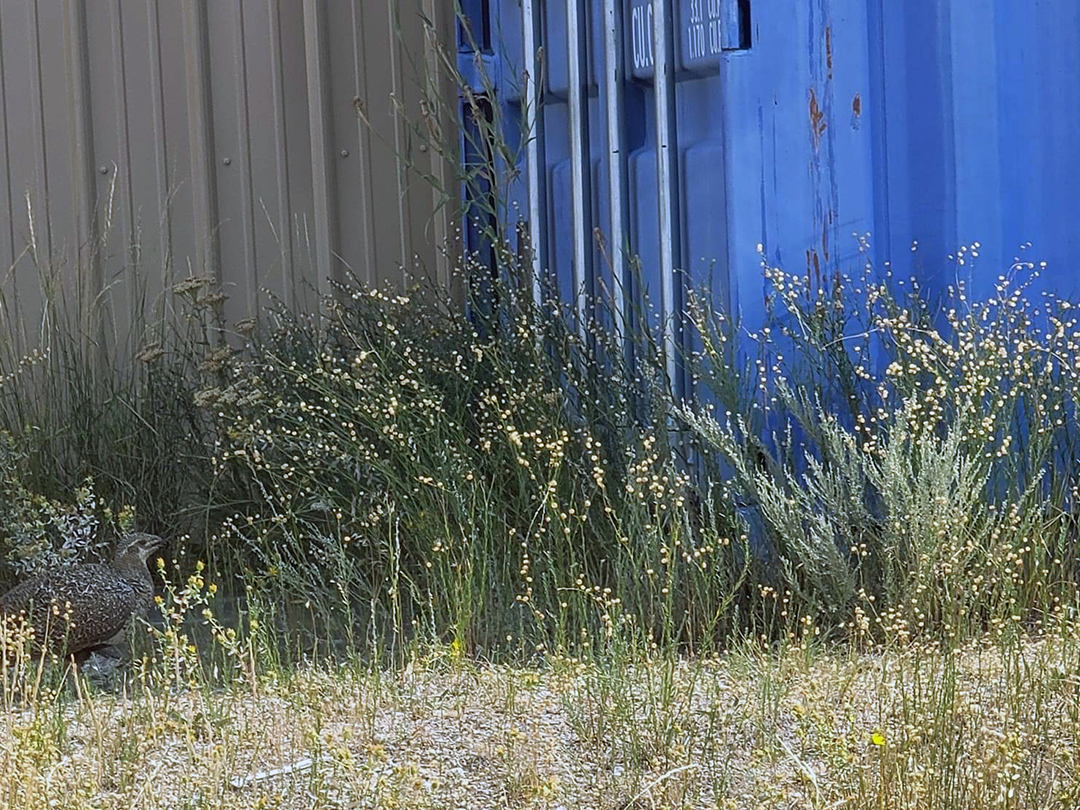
79, 609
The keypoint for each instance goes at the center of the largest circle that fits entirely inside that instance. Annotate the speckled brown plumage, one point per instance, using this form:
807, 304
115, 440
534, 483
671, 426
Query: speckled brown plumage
100, 600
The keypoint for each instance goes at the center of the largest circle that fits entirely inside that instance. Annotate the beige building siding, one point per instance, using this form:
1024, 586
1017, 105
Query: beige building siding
153, 139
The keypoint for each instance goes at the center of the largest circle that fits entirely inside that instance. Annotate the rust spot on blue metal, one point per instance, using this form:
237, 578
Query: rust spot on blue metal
817, 120
813, 270
856, 111
828, 49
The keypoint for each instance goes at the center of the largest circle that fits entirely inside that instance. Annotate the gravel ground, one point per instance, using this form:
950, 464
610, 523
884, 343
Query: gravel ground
914, 729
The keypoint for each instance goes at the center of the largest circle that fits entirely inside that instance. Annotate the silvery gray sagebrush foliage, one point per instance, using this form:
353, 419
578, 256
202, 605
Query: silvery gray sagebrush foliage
902, 458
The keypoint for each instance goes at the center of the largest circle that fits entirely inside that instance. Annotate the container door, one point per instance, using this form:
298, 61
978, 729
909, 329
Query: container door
676, 144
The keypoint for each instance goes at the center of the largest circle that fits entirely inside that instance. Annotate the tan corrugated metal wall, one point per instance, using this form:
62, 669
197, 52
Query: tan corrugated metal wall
163, 138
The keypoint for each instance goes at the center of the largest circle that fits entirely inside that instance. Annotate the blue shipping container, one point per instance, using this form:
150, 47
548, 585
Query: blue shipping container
697, 132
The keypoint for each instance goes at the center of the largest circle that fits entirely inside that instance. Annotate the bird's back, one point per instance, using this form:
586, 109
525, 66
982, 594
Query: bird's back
76, 608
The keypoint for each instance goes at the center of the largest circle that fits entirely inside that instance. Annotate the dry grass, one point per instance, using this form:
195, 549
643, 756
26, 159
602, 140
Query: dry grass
992, 724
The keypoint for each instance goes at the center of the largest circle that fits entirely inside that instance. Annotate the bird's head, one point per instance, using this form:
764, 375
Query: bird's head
138, 547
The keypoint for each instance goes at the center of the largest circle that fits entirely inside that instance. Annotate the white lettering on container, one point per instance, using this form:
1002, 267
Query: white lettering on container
641, 25
704, 37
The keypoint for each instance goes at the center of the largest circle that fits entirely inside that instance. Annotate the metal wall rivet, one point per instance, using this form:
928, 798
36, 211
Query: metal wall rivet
104, 170
344, 152
227, 161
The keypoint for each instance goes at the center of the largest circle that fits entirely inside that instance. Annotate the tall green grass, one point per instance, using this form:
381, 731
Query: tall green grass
501, 483
97, 414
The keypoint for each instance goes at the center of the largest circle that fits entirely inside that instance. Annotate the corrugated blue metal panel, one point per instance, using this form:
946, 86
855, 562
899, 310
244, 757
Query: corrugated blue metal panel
794, 126
981, 122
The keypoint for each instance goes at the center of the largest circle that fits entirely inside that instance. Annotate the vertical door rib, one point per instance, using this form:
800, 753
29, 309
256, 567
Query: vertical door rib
667, 180
581, 198
531, 94
616, 155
